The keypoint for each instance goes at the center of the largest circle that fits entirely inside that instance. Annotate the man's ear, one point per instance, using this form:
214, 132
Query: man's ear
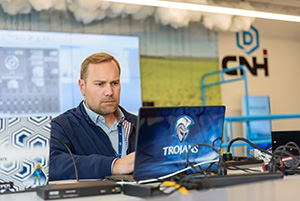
81, 84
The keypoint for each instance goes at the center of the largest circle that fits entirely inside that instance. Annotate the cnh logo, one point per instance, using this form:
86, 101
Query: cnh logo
248, 41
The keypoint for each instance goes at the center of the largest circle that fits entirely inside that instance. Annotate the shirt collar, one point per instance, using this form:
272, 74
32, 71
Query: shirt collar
97, 117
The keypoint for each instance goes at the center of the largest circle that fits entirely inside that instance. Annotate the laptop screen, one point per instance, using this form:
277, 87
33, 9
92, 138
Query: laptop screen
166, 133
24, 153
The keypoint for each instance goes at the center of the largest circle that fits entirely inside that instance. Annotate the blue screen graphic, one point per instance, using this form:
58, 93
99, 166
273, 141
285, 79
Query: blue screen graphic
159, 152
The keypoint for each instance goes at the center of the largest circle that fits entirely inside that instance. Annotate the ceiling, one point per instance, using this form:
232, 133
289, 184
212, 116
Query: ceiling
291, 7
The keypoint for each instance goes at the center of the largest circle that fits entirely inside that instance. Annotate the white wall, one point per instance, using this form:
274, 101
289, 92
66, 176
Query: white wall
282, 41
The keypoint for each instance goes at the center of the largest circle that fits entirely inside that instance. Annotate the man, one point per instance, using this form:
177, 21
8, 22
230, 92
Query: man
99, 132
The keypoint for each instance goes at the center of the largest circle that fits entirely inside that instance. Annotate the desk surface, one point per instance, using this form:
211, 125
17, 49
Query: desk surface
273, 190
32, 196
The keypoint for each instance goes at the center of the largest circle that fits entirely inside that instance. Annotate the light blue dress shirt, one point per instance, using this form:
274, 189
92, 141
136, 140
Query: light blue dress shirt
111, 132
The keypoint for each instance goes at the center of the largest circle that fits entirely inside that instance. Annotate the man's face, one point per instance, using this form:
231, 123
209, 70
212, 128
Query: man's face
102, 88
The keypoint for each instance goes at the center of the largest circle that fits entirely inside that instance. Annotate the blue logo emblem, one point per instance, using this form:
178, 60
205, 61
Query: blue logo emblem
182, 127
248, 40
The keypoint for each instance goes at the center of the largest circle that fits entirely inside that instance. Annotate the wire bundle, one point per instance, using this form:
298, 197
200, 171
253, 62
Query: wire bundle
281, 159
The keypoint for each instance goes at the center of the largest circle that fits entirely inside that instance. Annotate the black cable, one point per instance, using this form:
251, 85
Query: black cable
242, 169
209, 166
245, 140
281, 150
74, 162
293, 145
189, 181
287, 153
275, 152
199, 144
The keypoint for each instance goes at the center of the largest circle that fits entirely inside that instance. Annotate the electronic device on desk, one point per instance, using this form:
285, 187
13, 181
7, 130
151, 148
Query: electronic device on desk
286, 152
242, 160
204, 182
164, 135
143, 190
78, 189
281, 138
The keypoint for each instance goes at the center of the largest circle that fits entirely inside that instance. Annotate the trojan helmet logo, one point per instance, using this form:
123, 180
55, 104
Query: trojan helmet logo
182, 127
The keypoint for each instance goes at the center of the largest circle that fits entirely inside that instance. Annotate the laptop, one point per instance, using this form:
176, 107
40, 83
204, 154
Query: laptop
24, 153
165, 135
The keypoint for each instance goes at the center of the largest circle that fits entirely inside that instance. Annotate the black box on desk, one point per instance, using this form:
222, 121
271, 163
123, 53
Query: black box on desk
78, 189
142, 190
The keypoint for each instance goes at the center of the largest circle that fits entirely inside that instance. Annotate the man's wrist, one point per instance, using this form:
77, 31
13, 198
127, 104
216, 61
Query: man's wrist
112, 165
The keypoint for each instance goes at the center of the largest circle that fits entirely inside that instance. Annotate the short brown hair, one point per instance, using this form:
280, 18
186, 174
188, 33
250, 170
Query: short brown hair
95, 59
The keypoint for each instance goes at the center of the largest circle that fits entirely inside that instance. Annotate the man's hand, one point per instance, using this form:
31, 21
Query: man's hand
124, 165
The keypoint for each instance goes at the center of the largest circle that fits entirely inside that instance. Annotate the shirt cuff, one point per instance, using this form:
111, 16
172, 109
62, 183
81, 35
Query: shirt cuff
112, 164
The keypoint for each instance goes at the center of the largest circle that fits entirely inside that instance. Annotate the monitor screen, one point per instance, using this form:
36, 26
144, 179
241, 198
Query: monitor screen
39, 71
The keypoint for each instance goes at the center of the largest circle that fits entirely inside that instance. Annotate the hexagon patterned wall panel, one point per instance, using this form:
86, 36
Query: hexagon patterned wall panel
24, 152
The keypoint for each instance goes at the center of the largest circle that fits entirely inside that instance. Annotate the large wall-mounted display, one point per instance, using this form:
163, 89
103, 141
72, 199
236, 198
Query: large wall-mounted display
39, 71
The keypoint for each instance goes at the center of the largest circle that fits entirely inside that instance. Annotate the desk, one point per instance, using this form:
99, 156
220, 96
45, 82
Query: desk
32, 196
273, 190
